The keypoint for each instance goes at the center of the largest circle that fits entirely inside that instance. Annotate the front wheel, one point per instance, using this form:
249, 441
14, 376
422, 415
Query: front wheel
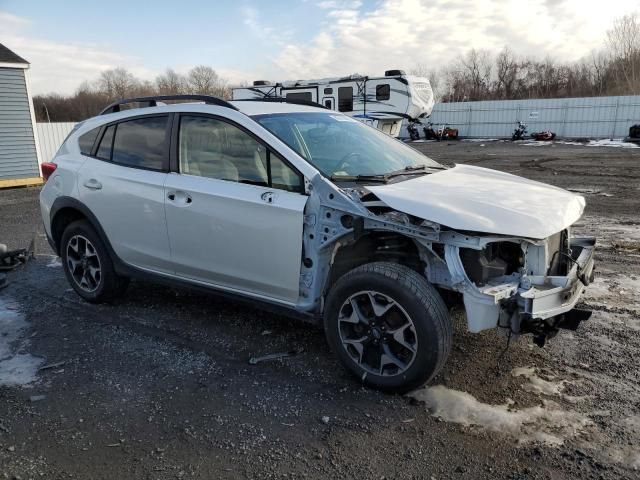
389, 326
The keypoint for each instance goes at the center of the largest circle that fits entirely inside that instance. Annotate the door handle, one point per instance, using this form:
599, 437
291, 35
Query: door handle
268, 197
92, 184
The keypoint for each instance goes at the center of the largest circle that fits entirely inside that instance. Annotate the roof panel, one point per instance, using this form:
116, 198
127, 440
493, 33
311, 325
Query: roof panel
7, 56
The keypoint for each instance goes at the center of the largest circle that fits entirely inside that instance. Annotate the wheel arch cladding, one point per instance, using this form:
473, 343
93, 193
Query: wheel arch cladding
66, 210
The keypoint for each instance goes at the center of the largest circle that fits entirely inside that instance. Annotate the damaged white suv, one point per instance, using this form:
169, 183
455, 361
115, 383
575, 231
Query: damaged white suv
308, 211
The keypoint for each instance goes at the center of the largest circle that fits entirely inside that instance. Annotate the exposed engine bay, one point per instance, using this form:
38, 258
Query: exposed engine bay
520, 284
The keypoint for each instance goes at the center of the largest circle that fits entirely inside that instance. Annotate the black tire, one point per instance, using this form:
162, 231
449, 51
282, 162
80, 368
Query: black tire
412, 294
109, 285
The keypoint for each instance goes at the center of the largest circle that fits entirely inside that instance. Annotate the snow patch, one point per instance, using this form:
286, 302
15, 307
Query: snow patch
55, 262
536, 143
617, 290
479, 139
537, 384
15, 368
547, 423
615, 142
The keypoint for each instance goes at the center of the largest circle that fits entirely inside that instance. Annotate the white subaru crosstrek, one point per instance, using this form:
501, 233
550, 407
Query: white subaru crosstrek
310, 212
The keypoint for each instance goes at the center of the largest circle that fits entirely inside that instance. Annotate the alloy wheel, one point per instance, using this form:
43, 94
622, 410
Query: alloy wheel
83, 263
377, 333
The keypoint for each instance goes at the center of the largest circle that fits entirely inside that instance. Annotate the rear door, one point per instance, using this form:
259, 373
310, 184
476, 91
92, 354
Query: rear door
122, 183
234, 211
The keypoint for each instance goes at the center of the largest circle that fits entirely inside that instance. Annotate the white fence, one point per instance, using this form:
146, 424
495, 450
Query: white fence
587, 117
50, 137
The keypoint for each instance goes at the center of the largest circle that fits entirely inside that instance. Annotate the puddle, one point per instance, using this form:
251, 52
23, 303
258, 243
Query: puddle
16, 367
547, 423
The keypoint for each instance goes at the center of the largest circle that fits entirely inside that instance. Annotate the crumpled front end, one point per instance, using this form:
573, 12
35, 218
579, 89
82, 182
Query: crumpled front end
524, 286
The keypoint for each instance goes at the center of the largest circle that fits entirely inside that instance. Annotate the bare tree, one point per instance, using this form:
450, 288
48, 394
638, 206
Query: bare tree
117, 83
205, 81
599, 72
507, 70
171, 83
477, 67
624, 44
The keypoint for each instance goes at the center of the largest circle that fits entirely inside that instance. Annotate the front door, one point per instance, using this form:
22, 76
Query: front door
123, 185
234, 211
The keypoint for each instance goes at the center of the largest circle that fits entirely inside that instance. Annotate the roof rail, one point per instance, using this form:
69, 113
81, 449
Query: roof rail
153, 101
308, 103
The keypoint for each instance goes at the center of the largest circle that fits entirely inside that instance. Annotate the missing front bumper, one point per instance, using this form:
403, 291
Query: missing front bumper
529, 299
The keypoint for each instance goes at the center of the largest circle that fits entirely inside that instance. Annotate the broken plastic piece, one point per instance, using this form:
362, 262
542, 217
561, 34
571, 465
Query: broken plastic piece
10, 259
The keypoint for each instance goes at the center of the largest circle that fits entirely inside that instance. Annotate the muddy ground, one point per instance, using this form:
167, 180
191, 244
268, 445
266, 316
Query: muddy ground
158, 386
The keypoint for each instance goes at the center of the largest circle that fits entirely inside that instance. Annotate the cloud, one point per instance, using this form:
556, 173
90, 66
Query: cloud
62, 66
404, 33
251, 20
351, 36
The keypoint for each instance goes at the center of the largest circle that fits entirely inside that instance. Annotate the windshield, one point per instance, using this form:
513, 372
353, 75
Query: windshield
339, 146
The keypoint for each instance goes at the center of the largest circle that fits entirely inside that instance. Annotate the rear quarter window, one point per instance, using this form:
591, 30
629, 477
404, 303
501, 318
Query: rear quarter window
86, 141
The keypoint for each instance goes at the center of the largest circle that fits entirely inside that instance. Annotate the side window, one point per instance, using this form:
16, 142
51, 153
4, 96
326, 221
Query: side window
383, 92
104, 150
328, 91
345, 99
300, 96
283, 177
141, 143
86, 141
212, 148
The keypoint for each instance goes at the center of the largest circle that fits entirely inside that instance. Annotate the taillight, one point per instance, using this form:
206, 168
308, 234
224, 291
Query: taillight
47, 169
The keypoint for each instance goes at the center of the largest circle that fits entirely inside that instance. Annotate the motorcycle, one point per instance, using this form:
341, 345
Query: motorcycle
443, 133
413, 131
545, 136
519, 132
429, 132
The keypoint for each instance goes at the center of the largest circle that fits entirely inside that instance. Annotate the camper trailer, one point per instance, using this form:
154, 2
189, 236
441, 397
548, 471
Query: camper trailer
382, 102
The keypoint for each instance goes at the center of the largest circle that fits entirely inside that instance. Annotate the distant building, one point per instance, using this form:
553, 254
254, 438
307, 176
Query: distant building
19, 156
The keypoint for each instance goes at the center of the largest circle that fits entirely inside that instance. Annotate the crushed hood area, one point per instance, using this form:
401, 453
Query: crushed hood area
484, 200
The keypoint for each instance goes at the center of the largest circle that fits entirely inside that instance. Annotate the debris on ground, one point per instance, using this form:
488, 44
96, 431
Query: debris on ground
274, 356
10, 259
589, 191
53, 365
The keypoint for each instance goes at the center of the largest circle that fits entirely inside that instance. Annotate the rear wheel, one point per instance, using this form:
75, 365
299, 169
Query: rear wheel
388, 325
87, 264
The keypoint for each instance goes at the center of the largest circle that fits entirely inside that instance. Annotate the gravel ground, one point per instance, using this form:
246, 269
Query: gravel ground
159, 386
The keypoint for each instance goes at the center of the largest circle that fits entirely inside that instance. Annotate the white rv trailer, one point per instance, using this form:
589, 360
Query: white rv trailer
382, 102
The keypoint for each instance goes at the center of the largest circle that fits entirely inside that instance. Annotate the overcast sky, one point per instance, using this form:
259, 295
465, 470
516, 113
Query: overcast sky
71, 41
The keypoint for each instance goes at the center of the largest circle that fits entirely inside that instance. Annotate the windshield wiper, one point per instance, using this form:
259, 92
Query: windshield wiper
413, 170
359, 178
